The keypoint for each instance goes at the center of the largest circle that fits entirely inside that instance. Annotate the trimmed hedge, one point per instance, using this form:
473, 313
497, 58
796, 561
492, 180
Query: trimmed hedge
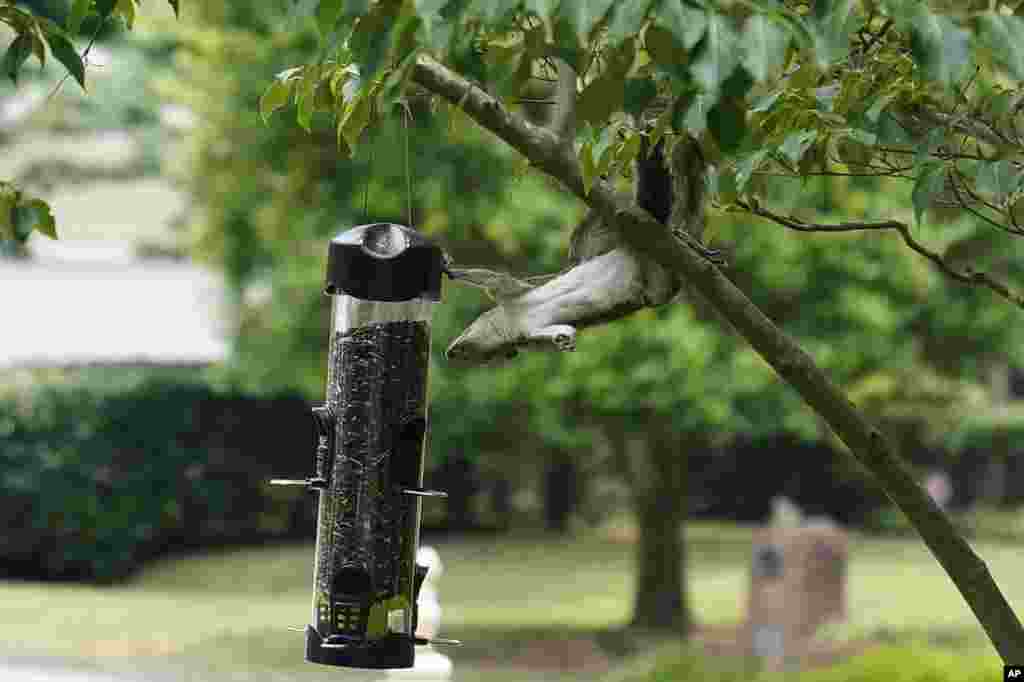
96, 479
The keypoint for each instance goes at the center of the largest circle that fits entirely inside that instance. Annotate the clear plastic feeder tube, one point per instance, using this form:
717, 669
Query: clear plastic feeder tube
377, 385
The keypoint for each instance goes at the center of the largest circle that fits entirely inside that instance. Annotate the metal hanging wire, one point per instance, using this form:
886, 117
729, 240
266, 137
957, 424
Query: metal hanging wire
407, 116
369, 175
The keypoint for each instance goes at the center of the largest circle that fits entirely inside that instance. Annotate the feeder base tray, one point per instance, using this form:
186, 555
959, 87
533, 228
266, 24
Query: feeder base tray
393, 651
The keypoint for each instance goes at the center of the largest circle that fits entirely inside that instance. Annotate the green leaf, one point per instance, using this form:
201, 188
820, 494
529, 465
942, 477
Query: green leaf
806, 76
879, 105
542, 8
767, 102
924, 149
372, 36
39, 43
719, 56
999, 178
106, 7
357, 8
738, 84
796, 145
588, 166
603, 144
661, 126
583, 15
629, 149
174, 6
437, 30
685, 23
65, 53
567, 45
34, 215
17, 54
832, 25
638, 93
348, 81
853, 152
20, 21
746, 167
1004, 36
606, 94
23, 219
488, 11
942, 47
507, 65
8, 200
126, 8
305, 99
696, 120
393, 88
275, 97
765, 44
356, 116
930, 181
666, 51
825, 97
327, 14
627, 19
727, 123
79, 10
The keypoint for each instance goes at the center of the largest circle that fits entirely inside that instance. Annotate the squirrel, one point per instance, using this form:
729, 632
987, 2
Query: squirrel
606, 279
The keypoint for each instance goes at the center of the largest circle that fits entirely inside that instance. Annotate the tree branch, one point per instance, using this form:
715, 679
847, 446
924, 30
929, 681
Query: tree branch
641, 231
968, 276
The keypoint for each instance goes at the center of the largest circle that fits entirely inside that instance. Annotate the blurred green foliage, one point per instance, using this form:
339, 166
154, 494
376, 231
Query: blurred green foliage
904, 340
101, 473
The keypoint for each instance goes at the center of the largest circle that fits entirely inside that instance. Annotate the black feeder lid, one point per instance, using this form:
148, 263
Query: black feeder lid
384, 262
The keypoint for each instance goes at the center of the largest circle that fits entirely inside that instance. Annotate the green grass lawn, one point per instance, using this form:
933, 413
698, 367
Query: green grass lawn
231, 609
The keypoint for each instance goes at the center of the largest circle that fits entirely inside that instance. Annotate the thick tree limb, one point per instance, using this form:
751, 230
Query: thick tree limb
643, 233
967, 276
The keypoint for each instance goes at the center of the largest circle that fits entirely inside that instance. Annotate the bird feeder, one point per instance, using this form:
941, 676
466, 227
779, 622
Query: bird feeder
383, 280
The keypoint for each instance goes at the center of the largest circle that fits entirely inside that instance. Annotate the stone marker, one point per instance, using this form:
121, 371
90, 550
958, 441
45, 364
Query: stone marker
797, 584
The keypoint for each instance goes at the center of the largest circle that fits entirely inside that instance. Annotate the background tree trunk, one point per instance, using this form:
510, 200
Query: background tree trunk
459, 478
560, 492
656, 472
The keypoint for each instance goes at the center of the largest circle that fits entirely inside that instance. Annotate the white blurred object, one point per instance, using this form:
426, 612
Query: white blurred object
177, 117
15, 109
430, 664
823, 522
939, 488
429, 621
58, 251
785, 513
148, 313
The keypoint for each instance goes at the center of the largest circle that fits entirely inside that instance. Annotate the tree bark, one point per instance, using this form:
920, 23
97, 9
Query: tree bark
554, 155
660, 600
561, 480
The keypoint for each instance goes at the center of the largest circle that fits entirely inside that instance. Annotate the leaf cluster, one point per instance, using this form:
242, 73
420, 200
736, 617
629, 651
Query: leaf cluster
38, 36
925, 93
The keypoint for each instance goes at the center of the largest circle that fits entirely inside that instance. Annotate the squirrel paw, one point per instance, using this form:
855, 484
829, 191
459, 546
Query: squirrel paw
561, 336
